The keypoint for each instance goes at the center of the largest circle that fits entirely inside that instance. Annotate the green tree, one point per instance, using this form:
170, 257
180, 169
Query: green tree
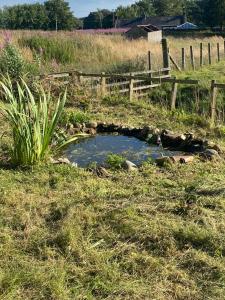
60, 16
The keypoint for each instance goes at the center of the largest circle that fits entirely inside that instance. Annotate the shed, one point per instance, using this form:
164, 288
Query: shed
187, 26
148, 32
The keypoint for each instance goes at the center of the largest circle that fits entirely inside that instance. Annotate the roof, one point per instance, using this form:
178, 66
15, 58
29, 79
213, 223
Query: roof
103, 31
160, 22
148, 28
187, 25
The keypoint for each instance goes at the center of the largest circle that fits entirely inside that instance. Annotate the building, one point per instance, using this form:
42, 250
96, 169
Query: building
148, 32
159, 22
187, 26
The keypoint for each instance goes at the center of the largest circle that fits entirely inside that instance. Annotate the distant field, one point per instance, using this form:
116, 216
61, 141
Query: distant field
70, 50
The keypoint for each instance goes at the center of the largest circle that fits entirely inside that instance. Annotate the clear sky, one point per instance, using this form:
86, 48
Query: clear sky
81, 8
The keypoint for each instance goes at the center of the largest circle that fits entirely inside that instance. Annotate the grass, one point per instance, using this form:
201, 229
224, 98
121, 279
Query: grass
155, 234
96, 53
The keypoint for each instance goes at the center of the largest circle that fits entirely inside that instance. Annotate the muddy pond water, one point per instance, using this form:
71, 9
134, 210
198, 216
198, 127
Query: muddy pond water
95, 149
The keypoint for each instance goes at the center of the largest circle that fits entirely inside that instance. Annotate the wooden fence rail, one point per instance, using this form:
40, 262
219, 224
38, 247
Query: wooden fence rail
140, 82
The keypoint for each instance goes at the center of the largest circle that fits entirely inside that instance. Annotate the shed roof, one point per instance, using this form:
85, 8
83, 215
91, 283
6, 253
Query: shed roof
187, 25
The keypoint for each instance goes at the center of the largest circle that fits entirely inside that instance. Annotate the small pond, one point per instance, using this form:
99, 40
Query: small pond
97, 148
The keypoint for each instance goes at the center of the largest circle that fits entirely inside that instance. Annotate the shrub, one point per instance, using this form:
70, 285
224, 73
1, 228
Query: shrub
33, 121
11, 61
115, 161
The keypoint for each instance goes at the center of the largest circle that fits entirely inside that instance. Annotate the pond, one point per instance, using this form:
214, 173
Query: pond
95, 149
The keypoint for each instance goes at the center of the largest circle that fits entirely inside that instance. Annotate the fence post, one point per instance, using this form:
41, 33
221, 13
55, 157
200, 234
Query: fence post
131, 87
201, 54
174, 95
183, 58
165, 50
192, 58
103, 84
209, 53
80, 77
224, 48
150, 65
218, 52
213, 101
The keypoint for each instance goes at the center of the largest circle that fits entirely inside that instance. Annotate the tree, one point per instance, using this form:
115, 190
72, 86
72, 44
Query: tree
60, 16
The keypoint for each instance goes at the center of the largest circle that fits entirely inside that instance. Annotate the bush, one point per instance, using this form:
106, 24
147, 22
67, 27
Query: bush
32, 121
115, 161
11, 61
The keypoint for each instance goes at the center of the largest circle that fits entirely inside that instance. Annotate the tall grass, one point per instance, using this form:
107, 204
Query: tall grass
32, 120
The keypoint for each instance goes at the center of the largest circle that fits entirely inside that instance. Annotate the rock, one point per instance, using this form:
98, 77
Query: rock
101, 172
129, 166
62, 161
90, 131
172, 140
210, 154
183, 159
77, 125
165, 160
211, 145
92, 125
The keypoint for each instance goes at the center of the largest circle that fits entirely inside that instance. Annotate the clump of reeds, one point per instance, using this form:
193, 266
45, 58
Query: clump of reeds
33, 120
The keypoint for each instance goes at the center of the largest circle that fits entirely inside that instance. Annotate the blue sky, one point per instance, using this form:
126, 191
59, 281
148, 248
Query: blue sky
80, 7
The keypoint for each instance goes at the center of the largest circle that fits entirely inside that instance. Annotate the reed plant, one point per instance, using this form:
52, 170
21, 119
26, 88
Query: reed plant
33, 119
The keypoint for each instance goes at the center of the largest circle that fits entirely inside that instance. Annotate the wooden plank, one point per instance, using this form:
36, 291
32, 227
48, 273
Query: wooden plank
201, 55
131, 88
218, 52
150, 64
103, 84
213, 101
219, 85
174, 63
192, 57
145, 87
183, 59
165, 51
209, 53
115, 84
174, 96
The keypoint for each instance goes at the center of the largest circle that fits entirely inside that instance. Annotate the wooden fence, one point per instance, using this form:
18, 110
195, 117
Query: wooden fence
137, 84
189, 57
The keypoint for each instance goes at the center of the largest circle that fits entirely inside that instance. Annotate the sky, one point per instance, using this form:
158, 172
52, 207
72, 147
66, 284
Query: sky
81, 8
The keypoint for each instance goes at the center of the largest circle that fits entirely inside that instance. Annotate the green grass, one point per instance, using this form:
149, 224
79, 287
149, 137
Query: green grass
156, 234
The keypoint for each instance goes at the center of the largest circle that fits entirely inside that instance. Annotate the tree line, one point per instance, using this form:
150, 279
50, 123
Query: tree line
202, 12
57, 15
51, 15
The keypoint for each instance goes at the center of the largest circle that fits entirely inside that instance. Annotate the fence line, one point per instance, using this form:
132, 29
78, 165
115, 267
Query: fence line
142, 82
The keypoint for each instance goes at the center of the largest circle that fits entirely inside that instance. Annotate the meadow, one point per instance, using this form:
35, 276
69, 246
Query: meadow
67, 233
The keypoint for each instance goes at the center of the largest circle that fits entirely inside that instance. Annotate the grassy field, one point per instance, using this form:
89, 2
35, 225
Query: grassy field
96, 53
157, 234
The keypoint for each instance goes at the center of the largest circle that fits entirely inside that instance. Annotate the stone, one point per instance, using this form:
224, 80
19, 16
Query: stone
92, 125
129, 166
77, 125
172, 140
183, 159
90, 131
165, 160
211, 145
210, 154
64, 160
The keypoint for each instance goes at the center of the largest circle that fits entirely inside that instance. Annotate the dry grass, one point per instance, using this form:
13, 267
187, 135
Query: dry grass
100, 52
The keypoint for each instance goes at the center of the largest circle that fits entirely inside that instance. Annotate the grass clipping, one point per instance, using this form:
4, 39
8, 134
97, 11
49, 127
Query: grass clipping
33, 121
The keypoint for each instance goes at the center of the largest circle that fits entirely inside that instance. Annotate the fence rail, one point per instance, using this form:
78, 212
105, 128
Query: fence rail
138, 84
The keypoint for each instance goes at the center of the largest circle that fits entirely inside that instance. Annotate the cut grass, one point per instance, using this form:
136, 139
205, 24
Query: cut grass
155, 234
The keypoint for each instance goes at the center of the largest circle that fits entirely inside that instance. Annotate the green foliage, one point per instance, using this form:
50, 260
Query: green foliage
11, 61
115, 161
51, 48
32, 121
78, 117
52, 14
